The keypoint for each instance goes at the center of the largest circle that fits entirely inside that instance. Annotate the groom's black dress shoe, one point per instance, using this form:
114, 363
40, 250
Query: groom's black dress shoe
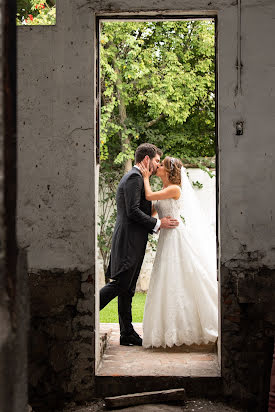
133, 339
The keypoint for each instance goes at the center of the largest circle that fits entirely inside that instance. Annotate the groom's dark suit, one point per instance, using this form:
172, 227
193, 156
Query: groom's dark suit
130, 236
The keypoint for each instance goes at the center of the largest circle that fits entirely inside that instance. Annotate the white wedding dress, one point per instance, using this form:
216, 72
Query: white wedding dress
182, 301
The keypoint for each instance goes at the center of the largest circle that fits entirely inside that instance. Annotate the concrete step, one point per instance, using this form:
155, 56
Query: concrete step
208, 387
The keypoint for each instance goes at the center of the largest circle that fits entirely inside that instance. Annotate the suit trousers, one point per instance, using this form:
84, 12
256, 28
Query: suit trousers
122, 285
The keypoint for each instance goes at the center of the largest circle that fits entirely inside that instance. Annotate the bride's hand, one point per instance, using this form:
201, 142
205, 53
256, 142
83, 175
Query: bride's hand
145, 169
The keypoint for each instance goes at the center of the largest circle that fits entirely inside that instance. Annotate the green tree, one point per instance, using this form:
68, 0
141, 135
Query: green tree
157, 85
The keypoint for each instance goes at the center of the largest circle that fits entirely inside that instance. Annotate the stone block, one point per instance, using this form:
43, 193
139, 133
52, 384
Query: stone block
83, 321
257, 287
87, 289
80, 350
59, 357
61, 331
85, 306
51, 293
86, 334
85, 275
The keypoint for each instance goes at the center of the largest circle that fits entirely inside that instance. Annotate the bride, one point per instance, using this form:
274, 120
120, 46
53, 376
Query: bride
182, 304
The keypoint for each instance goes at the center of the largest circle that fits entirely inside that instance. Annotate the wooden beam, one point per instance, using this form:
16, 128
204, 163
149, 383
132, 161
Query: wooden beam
133, 399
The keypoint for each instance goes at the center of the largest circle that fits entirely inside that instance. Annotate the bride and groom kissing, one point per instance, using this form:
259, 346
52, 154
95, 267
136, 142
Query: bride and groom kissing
181, 305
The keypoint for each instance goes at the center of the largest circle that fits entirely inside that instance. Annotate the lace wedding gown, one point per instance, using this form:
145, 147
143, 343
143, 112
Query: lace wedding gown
182, 304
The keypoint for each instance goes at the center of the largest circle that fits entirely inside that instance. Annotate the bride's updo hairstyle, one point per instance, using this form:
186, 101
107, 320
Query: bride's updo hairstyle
172, 167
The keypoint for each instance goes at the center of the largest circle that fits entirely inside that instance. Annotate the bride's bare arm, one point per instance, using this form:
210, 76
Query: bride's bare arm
170, 192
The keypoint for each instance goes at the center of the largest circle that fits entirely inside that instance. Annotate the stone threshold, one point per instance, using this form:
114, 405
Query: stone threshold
131, 369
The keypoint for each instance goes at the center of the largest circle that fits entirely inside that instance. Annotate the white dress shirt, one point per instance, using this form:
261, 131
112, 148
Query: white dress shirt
157, 226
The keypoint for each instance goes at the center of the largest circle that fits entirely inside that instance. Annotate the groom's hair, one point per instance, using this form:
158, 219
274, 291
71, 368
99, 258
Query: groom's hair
146, 149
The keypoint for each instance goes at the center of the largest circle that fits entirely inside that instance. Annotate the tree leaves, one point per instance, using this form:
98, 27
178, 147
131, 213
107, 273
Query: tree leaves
159, 74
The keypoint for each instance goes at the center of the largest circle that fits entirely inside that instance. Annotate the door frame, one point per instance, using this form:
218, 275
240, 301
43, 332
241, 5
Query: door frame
163, 16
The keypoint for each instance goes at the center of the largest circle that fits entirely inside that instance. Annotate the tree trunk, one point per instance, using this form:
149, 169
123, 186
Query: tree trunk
122, 117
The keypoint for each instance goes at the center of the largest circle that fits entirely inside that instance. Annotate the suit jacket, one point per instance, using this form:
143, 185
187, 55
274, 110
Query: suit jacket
133, 223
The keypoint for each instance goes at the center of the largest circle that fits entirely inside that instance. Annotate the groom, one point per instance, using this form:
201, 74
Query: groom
133, 223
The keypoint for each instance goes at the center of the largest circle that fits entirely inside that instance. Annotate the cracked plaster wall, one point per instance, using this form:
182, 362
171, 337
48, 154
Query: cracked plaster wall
56, 213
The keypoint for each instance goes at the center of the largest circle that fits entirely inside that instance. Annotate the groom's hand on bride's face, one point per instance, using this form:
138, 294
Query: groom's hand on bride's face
145, 166
146, 161
168, 222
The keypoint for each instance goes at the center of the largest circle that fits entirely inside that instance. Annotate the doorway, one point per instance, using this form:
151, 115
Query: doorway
194, 361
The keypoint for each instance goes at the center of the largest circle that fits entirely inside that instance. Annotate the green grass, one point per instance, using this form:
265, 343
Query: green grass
109, 313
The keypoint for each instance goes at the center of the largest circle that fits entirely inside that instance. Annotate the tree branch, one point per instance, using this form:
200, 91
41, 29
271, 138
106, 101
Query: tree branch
154, 121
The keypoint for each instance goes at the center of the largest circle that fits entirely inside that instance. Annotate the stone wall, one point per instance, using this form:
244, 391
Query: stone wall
248, 322
57, 184
62, 338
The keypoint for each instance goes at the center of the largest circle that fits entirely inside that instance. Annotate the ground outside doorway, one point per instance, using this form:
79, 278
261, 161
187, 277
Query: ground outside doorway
192, 361
194, 405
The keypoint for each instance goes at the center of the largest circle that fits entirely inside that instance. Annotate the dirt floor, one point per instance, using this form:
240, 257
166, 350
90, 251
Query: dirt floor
201, 405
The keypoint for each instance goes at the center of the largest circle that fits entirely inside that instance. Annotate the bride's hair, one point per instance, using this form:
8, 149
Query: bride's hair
172, 167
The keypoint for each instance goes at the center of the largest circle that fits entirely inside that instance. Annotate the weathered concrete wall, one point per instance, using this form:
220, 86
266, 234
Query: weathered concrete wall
56, 161
247, 204
56, 204
57, 186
